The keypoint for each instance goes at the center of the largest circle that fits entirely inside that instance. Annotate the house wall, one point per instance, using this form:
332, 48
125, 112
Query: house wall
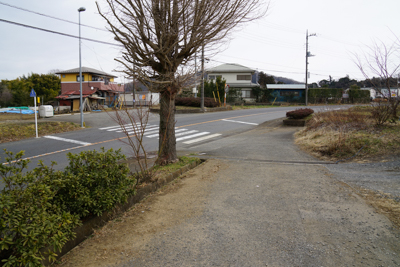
231, 78
281, 95
71, 77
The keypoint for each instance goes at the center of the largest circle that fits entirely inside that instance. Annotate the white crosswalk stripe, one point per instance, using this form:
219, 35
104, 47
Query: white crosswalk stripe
201, 139
152, 131
191, 136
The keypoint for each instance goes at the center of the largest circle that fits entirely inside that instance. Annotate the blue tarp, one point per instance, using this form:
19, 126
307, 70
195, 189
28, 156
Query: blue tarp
18, 111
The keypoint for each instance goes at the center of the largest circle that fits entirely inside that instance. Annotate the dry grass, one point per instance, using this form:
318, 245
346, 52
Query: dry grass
384, 203
340, 134
10, 132
15, 116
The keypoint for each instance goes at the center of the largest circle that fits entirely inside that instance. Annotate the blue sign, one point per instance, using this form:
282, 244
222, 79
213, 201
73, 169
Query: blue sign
32, 94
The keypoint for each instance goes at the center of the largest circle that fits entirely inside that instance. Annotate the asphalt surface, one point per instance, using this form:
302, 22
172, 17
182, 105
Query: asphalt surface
273, 205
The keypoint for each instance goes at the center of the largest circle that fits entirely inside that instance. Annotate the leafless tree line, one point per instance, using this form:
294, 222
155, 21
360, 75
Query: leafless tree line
383, 61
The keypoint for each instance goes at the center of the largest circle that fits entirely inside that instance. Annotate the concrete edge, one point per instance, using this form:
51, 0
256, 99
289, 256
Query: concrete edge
87, 228
294, 122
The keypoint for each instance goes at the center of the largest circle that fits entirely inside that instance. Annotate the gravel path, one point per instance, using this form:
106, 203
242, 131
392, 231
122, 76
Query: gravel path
277, 216
380, 176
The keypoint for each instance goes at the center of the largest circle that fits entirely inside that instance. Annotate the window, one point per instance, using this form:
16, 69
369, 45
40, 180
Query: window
246, 93
243, 77
63, 75
83, 78
213, 77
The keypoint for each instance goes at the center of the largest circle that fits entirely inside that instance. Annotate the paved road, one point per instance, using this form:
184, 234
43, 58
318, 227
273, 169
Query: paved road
103, 132
192, 130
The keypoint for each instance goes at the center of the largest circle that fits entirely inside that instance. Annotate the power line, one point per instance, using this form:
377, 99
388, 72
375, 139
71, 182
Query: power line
59, 33
44, 15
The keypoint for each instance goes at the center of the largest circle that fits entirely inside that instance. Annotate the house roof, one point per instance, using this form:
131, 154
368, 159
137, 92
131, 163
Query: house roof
75, 94
230, 67
87, 70
286, 86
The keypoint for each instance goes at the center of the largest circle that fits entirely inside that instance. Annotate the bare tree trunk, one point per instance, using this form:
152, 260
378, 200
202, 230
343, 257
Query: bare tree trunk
167, 141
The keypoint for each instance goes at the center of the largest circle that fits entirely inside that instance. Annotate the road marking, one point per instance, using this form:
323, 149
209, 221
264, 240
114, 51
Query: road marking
67, 140
153, 130
179, 134
138, 128
251, 123
204, 122
185, 133
191, 136
201, 139
118, 127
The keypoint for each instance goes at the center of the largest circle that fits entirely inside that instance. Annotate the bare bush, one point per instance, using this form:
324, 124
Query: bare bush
381, 112
343, 120
133, 123
382, 60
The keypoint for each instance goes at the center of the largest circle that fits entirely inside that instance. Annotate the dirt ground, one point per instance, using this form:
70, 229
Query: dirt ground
156, 213
244, 211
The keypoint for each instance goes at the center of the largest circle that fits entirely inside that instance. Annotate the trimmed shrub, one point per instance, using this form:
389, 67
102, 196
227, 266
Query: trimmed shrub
359, 96
299, 113
40, 208
195, 102
29, 220
94, 182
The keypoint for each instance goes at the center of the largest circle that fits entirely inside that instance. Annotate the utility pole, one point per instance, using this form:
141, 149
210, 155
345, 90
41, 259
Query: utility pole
202, 79
195, 74
308, 54
133, 84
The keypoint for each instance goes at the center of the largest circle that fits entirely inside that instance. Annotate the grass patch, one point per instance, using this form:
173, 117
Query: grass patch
186, 107
10, 132
340, 134
170, 168
14, 116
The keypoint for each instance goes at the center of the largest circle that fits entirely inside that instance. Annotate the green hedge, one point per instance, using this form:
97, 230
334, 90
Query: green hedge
325, 92
40, 208
359, 96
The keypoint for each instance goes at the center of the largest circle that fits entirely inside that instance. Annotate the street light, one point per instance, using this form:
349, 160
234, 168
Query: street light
81, 9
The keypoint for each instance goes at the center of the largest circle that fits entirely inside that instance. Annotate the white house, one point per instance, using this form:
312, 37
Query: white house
236, 76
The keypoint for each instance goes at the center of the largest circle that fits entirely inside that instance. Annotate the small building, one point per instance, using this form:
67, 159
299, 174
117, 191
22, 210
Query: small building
287, 92
236, 76
142, 98
98, 88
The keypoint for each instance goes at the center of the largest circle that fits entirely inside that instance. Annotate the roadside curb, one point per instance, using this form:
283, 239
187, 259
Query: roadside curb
87, 228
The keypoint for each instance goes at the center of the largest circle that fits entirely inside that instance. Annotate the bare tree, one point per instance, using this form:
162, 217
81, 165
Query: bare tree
381, 61
161, 38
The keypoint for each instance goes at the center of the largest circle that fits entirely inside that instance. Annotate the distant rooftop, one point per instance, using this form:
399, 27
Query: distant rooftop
286, 86
87, 70
230, 67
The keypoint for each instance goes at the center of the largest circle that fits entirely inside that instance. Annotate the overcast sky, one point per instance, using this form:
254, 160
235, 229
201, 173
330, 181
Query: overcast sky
274, 44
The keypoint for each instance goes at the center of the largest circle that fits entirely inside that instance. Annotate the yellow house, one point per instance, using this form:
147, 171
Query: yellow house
98, 88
